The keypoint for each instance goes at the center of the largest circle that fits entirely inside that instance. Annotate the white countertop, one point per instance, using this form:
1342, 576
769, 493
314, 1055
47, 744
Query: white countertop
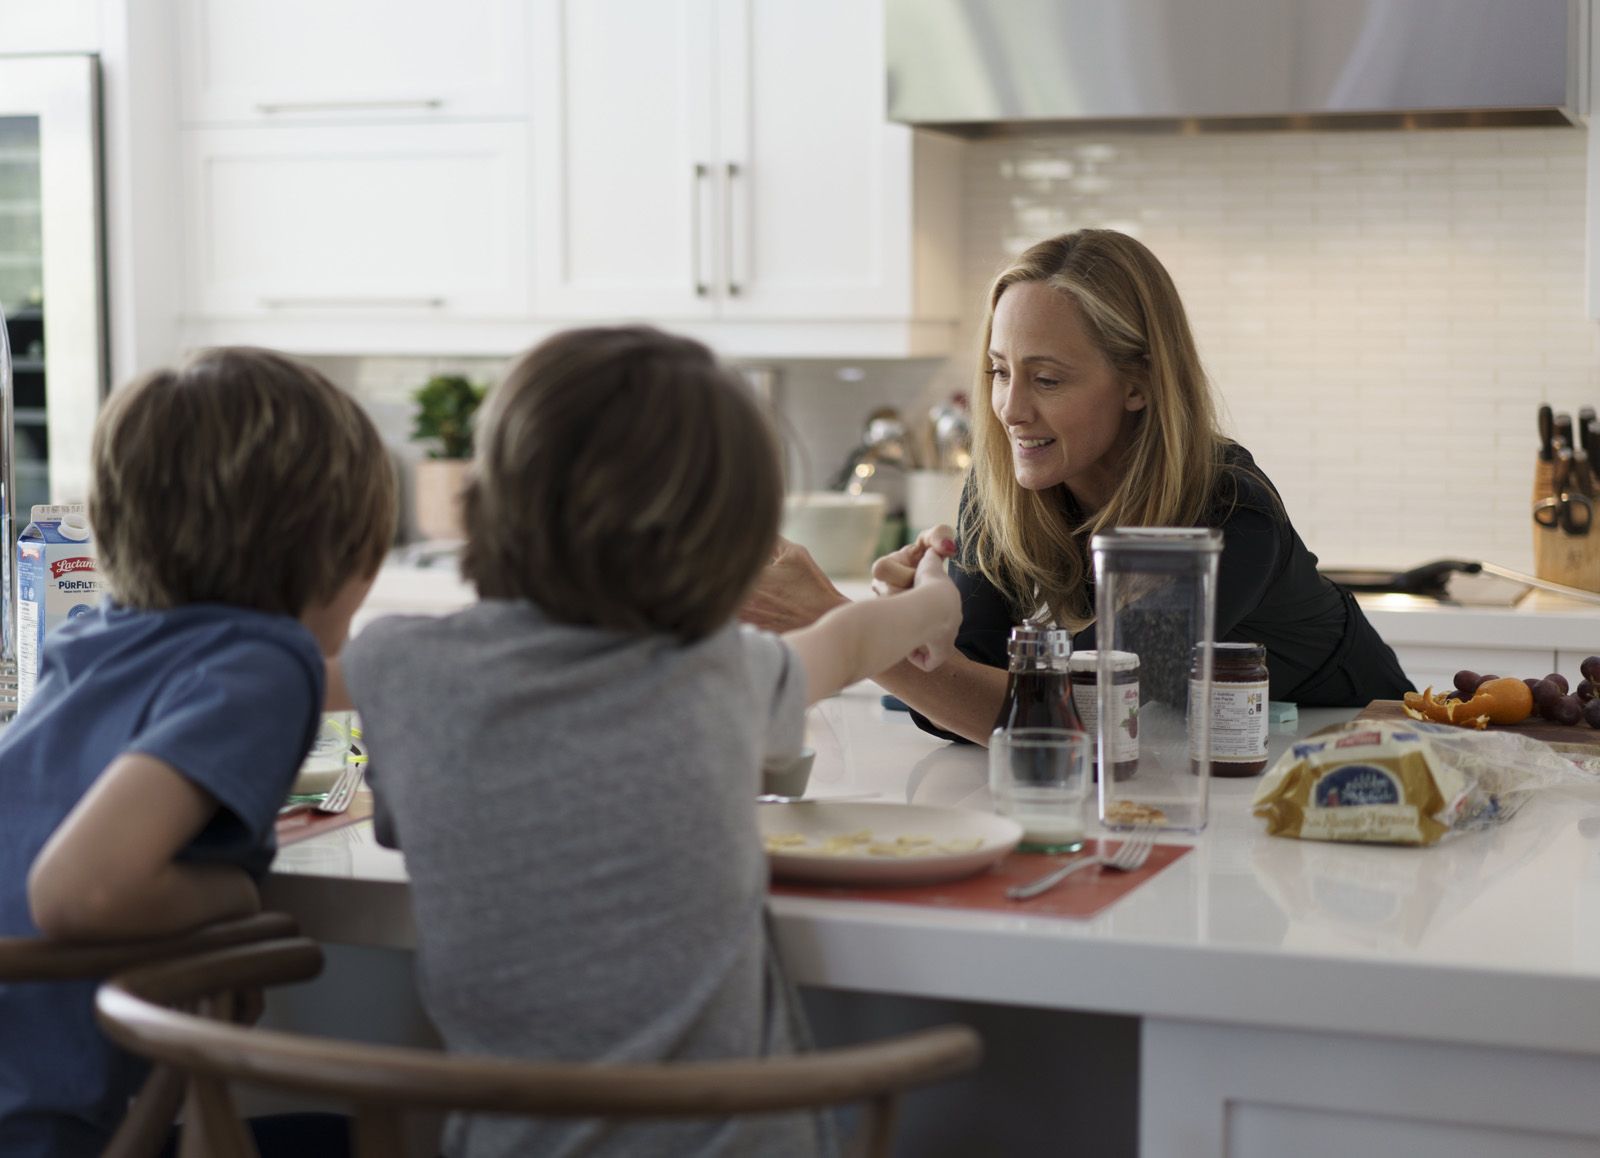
1541, 620
1491, 938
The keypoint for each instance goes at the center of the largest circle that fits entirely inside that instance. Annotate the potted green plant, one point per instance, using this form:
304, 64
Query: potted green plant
447, 405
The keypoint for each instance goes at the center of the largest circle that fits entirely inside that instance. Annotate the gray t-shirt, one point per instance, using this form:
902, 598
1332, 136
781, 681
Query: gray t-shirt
577, 812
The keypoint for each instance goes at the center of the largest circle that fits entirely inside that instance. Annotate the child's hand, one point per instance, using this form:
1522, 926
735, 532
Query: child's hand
930, 576
896, 572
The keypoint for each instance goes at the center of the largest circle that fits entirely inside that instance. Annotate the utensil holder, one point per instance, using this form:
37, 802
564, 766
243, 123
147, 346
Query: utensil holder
1557, 556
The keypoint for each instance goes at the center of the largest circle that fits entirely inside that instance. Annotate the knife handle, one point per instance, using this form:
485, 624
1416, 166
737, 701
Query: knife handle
1547, 429
1564, 431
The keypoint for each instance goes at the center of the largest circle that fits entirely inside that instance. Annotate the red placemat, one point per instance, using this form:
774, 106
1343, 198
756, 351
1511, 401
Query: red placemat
298, 826
1083, 894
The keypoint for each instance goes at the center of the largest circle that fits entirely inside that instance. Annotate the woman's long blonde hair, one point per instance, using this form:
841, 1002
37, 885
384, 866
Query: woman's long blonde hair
1030, 544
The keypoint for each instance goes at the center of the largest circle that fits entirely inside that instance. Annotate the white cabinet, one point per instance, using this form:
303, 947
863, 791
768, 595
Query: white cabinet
1228, 1091
283, 60
355, 172
819, 200
1542, 634
366, 177
743, 171
385, 220
623, 144
1570, 663
1435, 666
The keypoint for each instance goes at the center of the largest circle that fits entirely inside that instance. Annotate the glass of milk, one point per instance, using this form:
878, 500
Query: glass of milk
1040, 778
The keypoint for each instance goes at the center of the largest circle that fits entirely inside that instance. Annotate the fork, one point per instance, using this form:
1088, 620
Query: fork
344, 789
1130, 855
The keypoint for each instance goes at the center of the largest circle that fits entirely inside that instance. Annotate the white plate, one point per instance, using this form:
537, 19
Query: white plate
820, 820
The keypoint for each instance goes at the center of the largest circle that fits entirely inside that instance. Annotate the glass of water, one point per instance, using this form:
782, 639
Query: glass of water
1040, 778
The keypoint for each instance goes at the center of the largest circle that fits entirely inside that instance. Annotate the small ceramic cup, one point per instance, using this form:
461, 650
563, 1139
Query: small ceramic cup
788, 775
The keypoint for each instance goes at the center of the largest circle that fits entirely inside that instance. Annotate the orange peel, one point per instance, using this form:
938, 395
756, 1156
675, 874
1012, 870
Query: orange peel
1498, 701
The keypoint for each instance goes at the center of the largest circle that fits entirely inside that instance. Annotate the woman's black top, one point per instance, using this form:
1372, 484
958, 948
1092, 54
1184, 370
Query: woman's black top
1321, 651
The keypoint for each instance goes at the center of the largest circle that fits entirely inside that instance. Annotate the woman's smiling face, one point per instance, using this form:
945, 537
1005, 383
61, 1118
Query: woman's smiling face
1067, 414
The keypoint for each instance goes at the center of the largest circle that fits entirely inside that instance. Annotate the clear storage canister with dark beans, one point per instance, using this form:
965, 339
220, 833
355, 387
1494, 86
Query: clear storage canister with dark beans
1239, 679
1124, 714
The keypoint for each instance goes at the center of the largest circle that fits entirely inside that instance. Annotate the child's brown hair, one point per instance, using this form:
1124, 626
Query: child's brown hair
623, 479
242, 477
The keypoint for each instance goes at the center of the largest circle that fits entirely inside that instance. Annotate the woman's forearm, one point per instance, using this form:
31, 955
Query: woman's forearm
961, 695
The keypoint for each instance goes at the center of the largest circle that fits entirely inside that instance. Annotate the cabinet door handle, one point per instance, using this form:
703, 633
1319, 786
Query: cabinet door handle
701, 289
729, 172
343, 303
272, 107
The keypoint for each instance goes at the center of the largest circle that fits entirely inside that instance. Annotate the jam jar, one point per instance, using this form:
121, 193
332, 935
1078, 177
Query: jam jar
1239, 714
1124, 708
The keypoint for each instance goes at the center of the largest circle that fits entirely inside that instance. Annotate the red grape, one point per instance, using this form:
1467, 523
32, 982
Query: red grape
1559, 680
1591, 713
1545, 692
1564, 710
1587, 690
1467, 681
1591, 668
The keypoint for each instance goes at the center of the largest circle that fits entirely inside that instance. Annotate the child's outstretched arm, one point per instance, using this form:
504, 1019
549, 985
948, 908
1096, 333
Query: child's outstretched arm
859, 640
108, 872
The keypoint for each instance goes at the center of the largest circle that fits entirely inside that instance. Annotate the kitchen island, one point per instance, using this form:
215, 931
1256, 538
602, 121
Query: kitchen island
1261, 996
1290, 997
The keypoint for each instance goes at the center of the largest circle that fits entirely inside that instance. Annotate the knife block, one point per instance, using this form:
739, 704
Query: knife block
1561, 558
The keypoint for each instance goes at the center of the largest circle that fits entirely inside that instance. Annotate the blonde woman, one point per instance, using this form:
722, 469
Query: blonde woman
1092, 411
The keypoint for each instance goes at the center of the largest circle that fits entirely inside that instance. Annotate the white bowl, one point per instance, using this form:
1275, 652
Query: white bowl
841, 531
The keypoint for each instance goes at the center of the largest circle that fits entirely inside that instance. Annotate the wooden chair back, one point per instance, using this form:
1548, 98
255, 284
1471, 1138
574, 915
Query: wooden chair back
145, 1128
382, 1083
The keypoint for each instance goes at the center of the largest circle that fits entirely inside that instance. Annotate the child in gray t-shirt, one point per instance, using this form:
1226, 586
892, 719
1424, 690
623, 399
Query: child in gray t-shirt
571, 764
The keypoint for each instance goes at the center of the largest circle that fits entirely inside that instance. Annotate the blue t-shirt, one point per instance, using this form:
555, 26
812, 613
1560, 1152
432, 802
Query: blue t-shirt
229, 697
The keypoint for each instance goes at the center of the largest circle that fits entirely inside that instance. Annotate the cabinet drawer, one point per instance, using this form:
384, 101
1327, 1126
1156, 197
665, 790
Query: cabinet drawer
1437, 666
384, 220
286, 60
1570, 663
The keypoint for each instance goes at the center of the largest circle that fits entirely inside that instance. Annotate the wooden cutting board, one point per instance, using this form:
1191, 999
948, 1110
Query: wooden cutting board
1579, 734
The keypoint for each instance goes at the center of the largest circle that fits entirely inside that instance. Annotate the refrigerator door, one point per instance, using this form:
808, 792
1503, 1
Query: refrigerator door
51, 294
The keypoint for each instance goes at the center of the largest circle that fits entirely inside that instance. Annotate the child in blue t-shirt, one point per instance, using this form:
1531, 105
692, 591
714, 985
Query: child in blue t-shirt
241, 506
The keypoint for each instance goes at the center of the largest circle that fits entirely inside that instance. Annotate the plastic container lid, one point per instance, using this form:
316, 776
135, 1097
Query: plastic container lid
1086, 661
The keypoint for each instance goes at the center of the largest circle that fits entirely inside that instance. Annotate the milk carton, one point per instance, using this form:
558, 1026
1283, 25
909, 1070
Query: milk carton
56, 580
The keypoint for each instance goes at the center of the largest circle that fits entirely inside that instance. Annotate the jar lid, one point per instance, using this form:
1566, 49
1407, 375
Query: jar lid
1230, 652
1084, 661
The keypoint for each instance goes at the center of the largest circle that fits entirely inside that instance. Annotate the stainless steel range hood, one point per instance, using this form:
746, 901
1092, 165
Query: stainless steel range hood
981, 67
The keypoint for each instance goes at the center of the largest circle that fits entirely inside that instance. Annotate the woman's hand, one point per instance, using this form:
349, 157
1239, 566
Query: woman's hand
930, 575
791, 592
897, 572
